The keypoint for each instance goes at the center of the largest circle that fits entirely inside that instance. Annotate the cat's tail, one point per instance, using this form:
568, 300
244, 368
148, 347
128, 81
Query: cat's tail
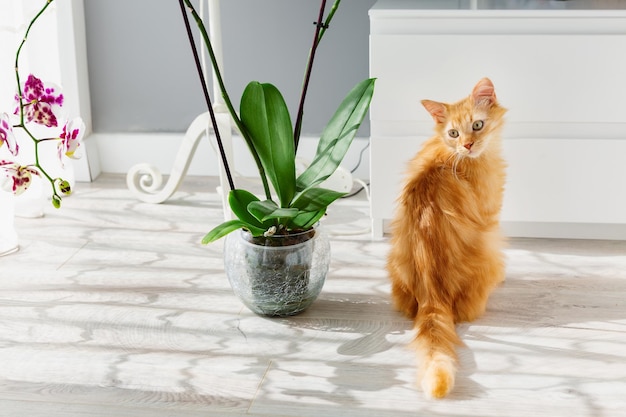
436, 342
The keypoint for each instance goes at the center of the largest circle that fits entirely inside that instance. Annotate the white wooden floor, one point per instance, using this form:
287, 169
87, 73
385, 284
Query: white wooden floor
113, 308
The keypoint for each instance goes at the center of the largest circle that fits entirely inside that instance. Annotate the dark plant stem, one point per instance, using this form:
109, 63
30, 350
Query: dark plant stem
229, 105
320, 29
207, 97
307, 76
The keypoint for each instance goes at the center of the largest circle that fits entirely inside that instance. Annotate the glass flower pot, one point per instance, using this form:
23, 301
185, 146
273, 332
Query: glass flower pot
279, 275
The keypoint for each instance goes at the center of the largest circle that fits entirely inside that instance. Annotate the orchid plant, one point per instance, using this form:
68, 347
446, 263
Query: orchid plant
293, 203
37, 103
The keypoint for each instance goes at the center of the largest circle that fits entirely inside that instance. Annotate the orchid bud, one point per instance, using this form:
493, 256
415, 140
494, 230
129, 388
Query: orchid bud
63, 186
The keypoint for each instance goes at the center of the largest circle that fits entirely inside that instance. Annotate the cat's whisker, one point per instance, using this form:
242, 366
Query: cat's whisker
452, 155
453, 159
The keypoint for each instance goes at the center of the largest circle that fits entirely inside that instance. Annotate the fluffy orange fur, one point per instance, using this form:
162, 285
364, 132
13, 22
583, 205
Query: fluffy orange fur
446, 248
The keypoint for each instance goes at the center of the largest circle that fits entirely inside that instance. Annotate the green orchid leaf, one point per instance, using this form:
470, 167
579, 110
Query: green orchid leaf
315, 199
266, 118
282, 213
260, 209
238, 200
306, 220
337, 135
268, 210
227, 227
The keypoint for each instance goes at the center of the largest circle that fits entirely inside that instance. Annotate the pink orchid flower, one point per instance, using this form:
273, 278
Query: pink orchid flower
40, 102
18, 178
6, 134
71, 136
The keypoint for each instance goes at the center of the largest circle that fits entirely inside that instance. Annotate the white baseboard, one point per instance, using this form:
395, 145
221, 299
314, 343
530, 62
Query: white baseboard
88, 167
547, 230
603, 231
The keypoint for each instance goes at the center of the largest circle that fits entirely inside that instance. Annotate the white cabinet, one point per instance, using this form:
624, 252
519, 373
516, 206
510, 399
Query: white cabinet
561, 74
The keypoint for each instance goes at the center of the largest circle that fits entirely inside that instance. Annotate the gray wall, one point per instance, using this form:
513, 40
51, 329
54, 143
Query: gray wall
141, 71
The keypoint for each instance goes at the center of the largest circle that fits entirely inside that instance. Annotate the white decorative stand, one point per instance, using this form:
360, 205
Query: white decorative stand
145, 180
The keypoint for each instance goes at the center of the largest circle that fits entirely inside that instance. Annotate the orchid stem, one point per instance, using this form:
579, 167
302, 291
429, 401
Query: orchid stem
17, 57
320, 29
218, 75
207, 97
330, 16
22, 125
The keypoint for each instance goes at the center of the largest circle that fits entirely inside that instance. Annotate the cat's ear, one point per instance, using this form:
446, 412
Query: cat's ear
484, 93
437, 110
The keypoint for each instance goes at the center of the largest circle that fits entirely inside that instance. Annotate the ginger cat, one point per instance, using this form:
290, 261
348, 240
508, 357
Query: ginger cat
446, 247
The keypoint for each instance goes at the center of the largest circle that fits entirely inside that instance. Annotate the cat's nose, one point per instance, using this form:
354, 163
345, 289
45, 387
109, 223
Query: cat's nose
468, 145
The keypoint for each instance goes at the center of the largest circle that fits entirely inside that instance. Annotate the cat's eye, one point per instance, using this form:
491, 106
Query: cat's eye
453, 133
477, 125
